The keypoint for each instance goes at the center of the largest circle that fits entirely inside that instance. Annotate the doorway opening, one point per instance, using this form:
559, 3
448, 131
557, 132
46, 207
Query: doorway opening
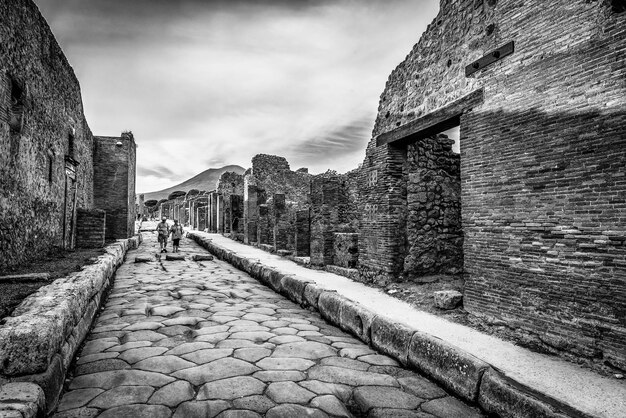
434, 234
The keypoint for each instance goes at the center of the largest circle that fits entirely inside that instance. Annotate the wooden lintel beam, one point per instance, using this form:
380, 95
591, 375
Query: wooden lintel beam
434, 122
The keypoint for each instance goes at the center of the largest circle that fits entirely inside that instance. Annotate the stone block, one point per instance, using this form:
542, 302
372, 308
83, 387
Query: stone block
294, 288
456, 370
143, 259
501, 396
284, 253
447, 299
25, 397
330, 305
391, 338
202, 257
312, 294
275, 280
174, 257
357, 319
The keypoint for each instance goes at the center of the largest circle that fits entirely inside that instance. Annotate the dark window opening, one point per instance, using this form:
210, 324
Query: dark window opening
70, 143
618, 6
50, 168
17, 107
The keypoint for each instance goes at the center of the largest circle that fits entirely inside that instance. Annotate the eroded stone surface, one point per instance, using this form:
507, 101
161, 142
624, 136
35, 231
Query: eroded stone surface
208, 340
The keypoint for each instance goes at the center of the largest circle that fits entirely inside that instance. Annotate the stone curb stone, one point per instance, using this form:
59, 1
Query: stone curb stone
312, 294
274, 279
357, 319
25, 398
143, 259
174, 257
202, 257
40, 338
456, 370
294, 288
330, 304
504, 397
391, 338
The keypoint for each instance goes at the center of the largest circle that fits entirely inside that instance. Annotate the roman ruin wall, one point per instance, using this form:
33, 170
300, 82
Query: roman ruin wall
114, 177
538, 91
46, 145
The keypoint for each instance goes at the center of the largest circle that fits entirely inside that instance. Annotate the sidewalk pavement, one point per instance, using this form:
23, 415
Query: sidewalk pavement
503, 378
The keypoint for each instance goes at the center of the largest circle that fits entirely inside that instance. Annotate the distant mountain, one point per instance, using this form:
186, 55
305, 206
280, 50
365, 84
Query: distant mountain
206, 181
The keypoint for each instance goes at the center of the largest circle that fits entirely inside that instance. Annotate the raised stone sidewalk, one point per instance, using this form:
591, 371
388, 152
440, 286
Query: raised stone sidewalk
502, 378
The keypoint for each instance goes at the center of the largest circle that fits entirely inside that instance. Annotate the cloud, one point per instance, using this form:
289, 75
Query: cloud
216, 82
160, 172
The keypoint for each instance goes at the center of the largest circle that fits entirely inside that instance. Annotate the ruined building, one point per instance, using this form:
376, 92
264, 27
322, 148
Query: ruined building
539, 94
55, 176
531, 210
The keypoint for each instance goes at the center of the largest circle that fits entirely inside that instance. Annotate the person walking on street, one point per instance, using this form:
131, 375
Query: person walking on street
163, 229
177, 234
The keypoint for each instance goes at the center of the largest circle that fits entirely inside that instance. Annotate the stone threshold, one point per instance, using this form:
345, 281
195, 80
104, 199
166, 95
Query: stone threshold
503, 379
40, 338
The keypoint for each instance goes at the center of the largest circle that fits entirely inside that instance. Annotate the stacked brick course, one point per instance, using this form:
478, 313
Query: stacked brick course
90, 232
114, 175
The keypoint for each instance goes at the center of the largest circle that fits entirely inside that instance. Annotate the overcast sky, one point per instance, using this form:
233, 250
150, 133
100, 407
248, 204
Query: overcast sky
203, 84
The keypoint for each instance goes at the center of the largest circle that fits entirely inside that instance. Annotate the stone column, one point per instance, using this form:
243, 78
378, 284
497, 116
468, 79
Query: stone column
303, 233
236, 214
281, 223
263, 225
250, 213
325, 200
219, 213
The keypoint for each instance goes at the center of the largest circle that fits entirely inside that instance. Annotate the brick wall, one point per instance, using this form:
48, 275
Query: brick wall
90, 228
331, 211
543, 160
35, 137
114, 183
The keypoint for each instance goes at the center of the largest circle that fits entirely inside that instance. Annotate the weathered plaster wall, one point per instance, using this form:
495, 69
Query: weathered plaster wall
543, 166
33, 150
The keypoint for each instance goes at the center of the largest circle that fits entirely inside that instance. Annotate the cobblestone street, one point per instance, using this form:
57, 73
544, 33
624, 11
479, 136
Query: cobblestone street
203, 339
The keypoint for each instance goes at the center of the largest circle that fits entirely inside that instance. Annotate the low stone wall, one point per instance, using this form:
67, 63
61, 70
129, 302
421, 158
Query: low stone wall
40, 338
345, 249
459, 372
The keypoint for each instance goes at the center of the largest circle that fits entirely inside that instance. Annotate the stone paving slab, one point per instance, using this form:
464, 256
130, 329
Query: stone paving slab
506, 379
202, 339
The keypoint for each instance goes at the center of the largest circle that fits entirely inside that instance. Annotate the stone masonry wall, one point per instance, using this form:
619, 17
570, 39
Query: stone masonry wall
230, 183
114, 178
279, 194
332, 211
434, 233
40, 110
543, 167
